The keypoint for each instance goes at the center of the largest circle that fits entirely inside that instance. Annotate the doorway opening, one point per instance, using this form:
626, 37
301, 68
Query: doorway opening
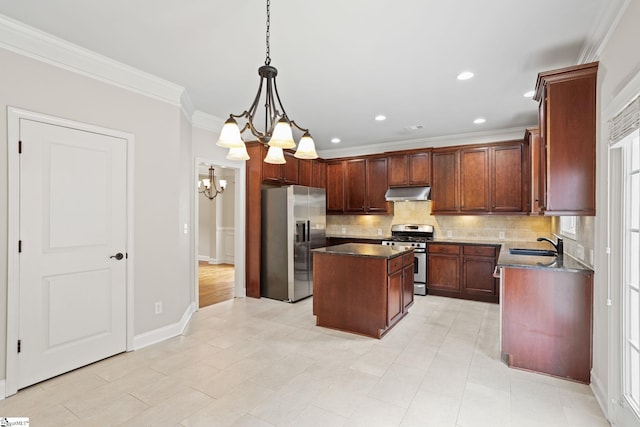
216, 237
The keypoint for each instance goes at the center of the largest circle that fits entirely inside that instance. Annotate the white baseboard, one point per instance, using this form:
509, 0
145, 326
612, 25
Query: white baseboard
3, 388
166, 332
600, 393
203, 257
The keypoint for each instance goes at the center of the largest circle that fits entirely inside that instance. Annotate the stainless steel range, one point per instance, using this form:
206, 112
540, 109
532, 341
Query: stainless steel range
414, 236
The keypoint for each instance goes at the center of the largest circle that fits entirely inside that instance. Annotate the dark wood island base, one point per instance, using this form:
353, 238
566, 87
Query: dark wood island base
362, 288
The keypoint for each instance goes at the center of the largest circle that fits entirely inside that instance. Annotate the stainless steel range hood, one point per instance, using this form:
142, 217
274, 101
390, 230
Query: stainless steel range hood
401, 194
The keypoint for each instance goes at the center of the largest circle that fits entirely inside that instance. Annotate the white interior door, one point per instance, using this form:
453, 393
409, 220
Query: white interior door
73, 216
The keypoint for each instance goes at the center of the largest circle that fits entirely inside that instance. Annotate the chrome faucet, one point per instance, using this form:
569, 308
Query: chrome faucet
559, 245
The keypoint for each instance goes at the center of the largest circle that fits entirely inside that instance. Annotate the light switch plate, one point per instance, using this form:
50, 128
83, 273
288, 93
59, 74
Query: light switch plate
501, 235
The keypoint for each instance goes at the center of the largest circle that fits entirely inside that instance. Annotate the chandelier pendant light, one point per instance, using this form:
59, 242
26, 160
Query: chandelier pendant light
209, 187
277, 132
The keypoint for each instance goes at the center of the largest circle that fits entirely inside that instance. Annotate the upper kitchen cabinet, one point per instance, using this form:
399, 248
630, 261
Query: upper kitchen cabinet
509, 185
567, 121
335, 186
365, 185
411, 168
446, 174
312, 173
474, 179
480, 179
537, 178
286, 174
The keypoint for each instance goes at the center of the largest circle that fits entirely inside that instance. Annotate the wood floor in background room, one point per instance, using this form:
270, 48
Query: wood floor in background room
215, 283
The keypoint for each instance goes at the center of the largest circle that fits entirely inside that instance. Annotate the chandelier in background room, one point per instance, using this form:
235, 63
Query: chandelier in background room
277, 133
209, 187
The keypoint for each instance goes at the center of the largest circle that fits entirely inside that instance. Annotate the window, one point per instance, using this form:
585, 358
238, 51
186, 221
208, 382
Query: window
568, 226
631, 278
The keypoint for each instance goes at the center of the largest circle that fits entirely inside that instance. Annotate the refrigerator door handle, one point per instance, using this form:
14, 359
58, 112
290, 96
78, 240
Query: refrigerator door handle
308, 231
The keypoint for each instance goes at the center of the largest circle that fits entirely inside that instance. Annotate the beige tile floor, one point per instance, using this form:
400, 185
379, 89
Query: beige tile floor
249, 362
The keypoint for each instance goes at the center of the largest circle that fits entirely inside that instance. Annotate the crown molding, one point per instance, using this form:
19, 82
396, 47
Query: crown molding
206, 121
483, 137
609, 17
31, 42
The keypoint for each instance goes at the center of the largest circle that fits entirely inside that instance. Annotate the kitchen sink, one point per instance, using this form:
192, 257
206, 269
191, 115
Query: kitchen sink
534, 252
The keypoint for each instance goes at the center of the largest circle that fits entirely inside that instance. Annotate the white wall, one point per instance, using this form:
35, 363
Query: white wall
162, 197
619, 63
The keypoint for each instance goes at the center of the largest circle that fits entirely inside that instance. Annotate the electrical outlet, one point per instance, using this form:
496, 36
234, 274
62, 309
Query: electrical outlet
158, 307
501, 235
449, 234
590, 256
580, 252
379, 231
344, 230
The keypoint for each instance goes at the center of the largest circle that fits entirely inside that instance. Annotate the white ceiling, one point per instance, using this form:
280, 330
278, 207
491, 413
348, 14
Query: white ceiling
342, 62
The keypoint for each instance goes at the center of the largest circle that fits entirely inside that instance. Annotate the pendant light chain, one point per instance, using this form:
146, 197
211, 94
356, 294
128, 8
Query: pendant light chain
267, 61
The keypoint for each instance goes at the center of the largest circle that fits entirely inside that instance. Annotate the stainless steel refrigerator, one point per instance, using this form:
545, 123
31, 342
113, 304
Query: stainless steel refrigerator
293, 223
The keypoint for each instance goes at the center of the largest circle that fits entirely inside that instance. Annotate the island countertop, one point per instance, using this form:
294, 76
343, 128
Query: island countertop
364, 250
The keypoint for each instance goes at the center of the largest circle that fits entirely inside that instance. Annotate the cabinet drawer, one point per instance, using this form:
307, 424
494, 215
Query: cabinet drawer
395, 264
480, 250
435, 248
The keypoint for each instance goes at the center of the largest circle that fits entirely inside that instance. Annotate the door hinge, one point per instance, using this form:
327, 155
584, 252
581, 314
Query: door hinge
19, 345
19, 147
19, 246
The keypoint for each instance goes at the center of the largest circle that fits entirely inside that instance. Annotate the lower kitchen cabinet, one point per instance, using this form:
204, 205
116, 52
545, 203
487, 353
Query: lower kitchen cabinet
547, 321
462, 271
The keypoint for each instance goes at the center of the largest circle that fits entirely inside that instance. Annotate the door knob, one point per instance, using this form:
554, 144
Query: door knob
117, 256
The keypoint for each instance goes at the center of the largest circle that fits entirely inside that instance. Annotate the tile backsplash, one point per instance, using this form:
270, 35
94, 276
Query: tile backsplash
468, 227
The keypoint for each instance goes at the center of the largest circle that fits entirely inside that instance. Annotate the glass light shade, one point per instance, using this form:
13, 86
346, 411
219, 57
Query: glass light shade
275, 156
306, 148
223, 183
230, 135
282, 136
238, 153
206, 183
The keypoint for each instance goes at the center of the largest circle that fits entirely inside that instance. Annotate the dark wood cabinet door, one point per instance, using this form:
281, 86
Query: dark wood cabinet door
532, 136
271, 173
305, 170
335, 186
407, 285
420, 169
290, 169
376, 184
567, 115
443, 272
355, 185
477, 275
394, 297
474, 179
507, 184
398, 170
319, 174
444, 190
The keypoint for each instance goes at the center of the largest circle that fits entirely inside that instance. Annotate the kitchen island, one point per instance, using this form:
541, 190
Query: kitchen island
362, 288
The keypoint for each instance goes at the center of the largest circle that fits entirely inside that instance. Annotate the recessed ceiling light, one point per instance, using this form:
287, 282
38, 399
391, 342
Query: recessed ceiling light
380, 117
479, 121
335, 140
529, 94
465, 75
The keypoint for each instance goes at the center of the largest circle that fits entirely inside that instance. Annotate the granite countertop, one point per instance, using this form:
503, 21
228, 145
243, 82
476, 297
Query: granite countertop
363, 249
567, 263
357, 236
